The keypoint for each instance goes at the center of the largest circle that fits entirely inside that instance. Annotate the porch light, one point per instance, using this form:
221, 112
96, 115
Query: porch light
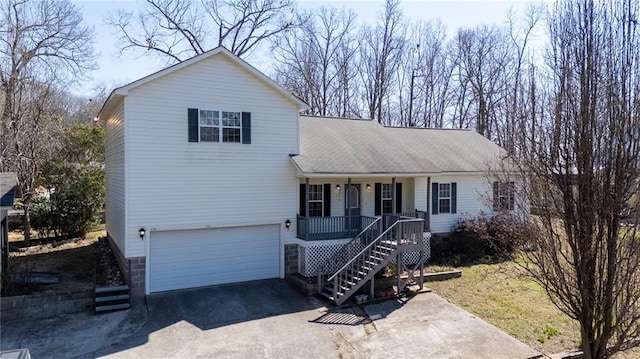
142, 232
368, 187
287, 224
337, 187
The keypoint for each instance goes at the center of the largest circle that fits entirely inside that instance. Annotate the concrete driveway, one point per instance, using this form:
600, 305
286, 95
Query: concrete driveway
266, 319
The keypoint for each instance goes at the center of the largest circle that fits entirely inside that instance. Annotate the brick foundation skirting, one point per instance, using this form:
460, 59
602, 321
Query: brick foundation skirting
137, 266
290, 259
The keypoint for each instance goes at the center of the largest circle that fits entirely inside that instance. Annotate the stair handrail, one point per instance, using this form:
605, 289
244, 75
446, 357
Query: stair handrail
354, 258
346, 245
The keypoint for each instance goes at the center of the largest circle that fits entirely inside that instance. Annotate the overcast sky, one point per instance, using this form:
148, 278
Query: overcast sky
117, 70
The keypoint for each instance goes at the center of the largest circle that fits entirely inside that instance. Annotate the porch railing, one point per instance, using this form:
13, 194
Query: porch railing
390, 218
323, 228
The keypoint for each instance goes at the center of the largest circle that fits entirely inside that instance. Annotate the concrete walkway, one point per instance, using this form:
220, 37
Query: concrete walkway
266, 319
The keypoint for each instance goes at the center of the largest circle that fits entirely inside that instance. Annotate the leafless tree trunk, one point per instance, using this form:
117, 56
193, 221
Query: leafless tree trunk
584, 172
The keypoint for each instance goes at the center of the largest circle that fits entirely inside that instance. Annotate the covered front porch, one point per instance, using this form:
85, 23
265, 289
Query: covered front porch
342, 210
332, 209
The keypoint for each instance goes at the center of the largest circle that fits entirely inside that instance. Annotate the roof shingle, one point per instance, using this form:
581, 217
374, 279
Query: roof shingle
359, 147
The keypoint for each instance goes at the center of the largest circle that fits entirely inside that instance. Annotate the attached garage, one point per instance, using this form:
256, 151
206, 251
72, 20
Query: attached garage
196, 258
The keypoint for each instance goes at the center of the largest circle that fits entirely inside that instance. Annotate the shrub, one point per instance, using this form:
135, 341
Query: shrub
41, 216
475, 238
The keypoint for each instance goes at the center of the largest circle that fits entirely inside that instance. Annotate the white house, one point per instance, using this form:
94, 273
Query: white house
213, 177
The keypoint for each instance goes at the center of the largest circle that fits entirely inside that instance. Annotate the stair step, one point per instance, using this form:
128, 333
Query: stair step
380, 254
101, 290
385, 248
343, 289
327, 293
112, 298
106, 308
358, 273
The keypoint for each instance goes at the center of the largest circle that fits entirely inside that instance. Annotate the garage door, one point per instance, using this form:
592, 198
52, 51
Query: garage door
195, 258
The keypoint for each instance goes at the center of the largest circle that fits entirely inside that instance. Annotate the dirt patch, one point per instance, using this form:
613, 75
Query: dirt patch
74, 260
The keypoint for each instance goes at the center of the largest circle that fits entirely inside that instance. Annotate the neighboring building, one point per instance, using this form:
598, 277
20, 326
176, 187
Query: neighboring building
229, 183
8, 185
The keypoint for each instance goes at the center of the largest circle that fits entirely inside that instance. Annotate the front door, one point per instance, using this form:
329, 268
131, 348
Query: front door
352, 208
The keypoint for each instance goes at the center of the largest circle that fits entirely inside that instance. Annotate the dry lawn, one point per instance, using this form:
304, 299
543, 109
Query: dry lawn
72, 258
503, 296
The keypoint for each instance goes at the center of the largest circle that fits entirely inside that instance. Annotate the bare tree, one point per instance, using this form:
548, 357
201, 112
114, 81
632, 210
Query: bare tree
584, 172
380, 50
180, 29
430, 75
311, 60
43, 46
520, 33
482, 57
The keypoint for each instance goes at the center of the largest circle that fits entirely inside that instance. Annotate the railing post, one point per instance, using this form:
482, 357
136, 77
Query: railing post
348, 205
306, 207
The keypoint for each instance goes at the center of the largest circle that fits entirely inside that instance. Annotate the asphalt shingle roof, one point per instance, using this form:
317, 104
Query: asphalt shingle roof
345, 146
7, 188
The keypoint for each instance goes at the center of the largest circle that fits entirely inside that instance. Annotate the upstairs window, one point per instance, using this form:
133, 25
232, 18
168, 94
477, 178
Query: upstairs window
231, 127
209, 126
219, 126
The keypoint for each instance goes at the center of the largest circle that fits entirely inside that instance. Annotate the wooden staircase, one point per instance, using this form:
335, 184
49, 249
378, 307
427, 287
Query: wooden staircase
402, 235
108, 299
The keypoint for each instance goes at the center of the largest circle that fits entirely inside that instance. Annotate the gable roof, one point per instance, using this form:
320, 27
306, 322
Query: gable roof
122, 91
339, 147
8, 184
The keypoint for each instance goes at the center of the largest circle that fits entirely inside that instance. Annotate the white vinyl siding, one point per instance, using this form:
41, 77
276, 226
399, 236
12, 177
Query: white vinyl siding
173, 183
472, 194
196, 258
115, 176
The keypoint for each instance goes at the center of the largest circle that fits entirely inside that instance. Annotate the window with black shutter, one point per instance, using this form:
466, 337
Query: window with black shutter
219, 126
